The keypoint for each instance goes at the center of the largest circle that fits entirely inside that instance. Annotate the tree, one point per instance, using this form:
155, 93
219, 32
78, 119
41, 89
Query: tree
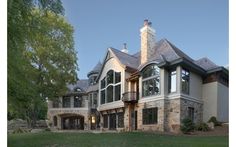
41, 56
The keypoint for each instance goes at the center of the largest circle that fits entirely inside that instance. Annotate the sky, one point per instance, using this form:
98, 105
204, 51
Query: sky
197, 27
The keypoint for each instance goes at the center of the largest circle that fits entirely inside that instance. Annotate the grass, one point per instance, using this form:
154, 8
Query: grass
136, 139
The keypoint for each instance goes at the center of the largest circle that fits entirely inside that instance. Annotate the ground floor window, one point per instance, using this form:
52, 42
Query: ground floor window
150, 115
191, 113
55, 121
105, 121
120, 119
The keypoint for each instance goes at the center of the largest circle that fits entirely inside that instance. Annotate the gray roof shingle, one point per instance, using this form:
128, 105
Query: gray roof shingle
126, 59
82, 84
206, 63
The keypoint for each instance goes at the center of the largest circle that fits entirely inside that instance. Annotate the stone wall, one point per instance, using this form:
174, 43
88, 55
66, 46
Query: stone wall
198, 110
152, 127
172, 115
58, 112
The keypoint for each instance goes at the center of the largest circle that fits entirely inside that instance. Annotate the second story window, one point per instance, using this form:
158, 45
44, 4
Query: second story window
185, 76
110, 87
151, 80
66, 102
172, 81
77, 101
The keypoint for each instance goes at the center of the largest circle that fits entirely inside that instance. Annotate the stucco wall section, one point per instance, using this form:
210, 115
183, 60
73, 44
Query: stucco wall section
195, 86
223, 103
209, 95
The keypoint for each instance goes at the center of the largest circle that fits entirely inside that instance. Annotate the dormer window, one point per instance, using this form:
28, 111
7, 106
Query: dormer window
78, 89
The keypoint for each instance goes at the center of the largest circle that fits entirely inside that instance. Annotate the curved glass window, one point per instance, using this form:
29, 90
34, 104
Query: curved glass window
150, 70
151, 80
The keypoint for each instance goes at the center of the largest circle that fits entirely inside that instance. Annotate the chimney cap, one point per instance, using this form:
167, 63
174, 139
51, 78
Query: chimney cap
147, 23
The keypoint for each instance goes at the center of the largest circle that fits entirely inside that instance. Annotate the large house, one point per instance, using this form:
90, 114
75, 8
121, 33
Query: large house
153, 89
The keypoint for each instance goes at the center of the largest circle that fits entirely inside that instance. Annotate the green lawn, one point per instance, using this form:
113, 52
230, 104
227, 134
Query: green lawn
136, 139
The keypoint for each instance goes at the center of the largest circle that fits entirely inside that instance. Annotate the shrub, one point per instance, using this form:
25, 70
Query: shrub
214, 121
187, 126
202, 127
20, 130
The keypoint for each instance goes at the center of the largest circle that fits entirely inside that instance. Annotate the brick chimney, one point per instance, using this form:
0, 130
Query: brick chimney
148, 41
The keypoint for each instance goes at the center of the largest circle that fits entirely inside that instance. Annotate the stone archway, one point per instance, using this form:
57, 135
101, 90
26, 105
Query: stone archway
72, 122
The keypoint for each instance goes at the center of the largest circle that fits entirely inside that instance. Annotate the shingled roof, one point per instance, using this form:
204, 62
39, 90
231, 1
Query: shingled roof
96, 69
82, 84
126, 59
164, 51
206, 63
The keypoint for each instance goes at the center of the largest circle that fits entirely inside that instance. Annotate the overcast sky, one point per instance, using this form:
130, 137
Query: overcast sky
197, 27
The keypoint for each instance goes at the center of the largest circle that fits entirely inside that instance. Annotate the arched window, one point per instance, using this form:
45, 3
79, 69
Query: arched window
55, 121
151, 80
110, 87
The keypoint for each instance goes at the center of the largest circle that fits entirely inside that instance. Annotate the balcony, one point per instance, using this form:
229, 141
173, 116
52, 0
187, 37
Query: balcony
130, 97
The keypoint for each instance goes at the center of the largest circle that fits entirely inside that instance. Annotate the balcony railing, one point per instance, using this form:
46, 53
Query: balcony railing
130, 97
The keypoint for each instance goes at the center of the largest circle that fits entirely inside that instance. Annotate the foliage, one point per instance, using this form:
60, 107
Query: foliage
41, 56
214, 121
202, 127
20, 130
137, 139
187, 125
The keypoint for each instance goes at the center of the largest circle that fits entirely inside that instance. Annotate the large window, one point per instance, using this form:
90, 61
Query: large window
66, 102
185, 81
172, 81
151, 80
150, 116
110, 87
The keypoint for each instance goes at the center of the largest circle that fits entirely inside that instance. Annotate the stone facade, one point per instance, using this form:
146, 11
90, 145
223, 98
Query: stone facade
147, 41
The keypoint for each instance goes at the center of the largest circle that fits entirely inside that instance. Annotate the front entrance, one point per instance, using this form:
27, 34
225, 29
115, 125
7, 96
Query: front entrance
72, 122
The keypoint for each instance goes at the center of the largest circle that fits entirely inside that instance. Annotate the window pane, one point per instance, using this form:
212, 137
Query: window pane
105, 121
191, 113
110, 77
117, 92
66, 102
151, 87
172, 81
120, 119
77, 101
102, 96
185, 81
103, 84
150, 70
150, 116
117, 77
95, 99
109, 93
